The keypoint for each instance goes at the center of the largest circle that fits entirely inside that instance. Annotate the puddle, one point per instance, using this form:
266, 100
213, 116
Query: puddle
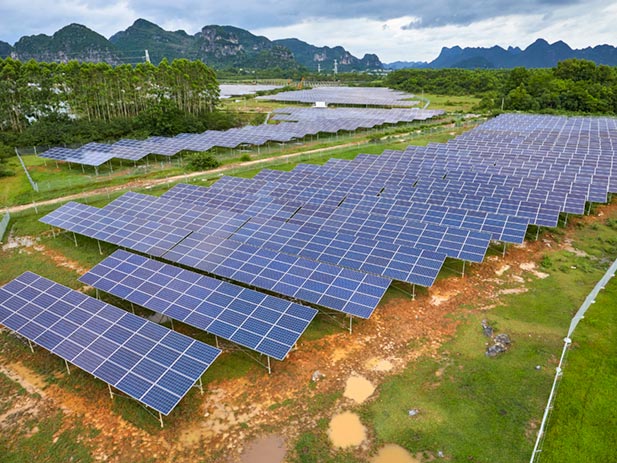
377, 364
346, 430
358, 389
392, 453
268, 449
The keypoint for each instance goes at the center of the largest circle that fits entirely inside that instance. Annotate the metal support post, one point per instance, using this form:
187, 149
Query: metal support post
269, 367
75, 238
538, 233
350, 324
111, 393
171, 320
565, 220
216, 341
161, 419
31, 346
132, 308
200, 385
68, 370
96, 291
504, 249
463, 272
53, 232
100, 250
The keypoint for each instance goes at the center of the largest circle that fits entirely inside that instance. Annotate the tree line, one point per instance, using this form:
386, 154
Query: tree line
97, 101
573, 85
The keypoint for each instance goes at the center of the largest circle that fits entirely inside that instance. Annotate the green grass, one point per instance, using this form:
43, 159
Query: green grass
475, 408
584, 419
452, 104
48, 445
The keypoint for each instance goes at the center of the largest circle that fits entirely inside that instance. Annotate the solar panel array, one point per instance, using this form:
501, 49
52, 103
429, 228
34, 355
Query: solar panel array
229, 90
149, 362
206, 249
365, 96
266, 324
306, 122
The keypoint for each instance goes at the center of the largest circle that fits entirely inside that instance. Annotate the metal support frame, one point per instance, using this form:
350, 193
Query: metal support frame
200, 386
31, 346
99, 244
538, 232
111, 393
505, 245
463, 271
565, 220
75, 238
161, 420
350, 324
66, 363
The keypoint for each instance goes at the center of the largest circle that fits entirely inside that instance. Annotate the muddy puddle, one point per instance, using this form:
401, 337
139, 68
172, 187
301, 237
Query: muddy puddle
358, 388
267, 449
392, 453
346, 430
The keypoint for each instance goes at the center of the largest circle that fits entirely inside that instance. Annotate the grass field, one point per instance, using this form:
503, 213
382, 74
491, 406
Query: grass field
583, 422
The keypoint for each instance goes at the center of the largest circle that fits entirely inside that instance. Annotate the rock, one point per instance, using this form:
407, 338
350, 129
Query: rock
487, 329
413, 412
538, 367
495, 350
317, 375
500, 345
440, 454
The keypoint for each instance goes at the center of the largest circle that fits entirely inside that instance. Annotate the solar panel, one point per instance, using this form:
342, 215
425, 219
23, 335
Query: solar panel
146, 361
147, 236
266, 324
329, 286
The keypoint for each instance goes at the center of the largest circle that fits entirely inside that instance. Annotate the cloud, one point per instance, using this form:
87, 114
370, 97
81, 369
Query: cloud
393, 29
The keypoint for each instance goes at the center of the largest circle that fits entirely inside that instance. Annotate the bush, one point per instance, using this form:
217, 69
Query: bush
245, 157
203, 161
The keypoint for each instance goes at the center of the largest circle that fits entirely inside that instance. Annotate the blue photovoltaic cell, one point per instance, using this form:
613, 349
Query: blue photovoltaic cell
132, 354
222, 308
292, 276
147, 236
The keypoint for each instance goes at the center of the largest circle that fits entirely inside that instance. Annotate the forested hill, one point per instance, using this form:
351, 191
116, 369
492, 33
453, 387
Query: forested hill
218, 46
539, 54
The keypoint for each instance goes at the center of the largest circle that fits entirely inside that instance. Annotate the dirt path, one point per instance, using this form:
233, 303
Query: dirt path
161, 181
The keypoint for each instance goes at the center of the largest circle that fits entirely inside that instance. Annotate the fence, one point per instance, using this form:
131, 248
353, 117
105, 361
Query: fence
35, 186
4, 223
610, 273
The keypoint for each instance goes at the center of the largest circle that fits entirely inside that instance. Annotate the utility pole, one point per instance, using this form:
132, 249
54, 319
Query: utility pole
335, 67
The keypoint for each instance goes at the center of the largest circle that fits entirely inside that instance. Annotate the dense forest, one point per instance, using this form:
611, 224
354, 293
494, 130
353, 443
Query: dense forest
572, 86
52, 103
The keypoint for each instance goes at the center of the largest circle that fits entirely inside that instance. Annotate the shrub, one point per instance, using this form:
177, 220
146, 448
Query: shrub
203, 161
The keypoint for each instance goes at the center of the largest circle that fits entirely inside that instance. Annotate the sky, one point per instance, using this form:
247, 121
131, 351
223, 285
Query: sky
405, 30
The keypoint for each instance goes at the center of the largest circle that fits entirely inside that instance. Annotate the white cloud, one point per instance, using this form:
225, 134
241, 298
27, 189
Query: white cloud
358, 25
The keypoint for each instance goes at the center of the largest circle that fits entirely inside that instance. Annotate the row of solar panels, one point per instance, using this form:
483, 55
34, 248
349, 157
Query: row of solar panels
96, 154
365, 96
